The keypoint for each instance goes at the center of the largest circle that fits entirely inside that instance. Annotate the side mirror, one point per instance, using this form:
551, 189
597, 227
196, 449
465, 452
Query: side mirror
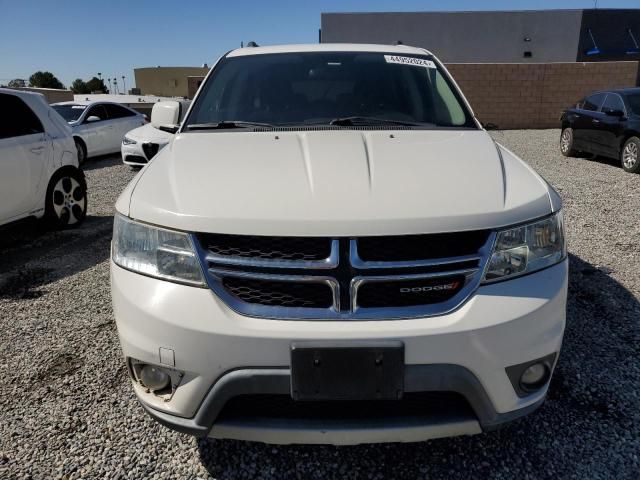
166, 116
92, 118
614, 113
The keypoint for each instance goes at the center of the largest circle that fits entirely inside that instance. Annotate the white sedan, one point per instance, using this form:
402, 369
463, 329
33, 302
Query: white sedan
140, 145
98, 127
39, 174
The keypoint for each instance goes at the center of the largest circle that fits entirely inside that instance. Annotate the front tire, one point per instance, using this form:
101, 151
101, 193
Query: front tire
82, 151
630, 155
66, 202
566, 143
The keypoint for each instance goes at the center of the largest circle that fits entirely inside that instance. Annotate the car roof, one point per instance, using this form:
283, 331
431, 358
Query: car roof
626, 90
87, 103
621, 91
20, 93
329, 47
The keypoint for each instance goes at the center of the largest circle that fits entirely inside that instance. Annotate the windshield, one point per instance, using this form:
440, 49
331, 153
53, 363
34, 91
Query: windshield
323, 87
634, 102
70, 113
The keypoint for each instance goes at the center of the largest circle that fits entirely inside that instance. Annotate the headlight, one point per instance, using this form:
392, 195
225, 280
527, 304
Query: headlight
527, 248
128, 141
156, 252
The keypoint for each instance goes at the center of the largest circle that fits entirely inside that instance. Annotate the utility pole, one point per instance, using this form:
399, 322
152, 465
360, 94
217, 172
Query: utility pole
124, 86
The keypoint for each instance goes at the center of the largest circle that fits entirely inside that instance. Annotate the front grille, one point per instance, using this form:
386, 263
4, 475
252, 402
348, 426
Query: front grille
280, 294
283, 407
421, 247
267, 248
302, 278
150, 149
405, 293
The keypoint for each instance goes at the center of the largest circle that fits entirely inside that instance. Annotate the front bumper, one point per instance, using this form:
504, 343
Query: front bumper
133, 154
223, 354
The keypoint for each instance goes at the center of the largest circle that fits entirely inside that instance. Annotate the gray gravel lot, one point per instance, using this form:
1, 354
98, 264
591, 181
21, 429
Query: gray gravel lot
67, 410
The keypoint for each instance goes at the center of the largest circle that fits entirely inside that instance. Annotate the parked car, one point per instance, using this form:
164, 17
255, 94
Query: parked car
605, 123
98, 127
333, 250
39, 174
141, 144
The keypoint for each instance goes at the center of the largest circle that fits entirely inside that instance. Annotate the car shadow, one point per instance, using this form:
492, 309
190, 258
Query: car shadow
612, 162
102, 161
590, 406
31, 257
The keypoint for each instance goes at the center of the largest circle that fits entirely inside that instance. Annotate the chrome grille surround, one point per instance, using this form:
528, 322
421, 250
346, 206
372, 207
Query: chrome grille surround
344, 271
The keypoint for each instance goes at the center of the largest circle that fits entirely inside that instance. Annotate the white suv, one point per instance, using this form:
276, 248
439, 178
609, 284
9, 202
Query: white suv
39, 174
332, 250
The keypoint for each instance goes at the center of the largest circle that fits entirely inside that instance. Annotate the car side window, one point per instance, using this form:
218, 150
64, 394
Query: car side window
613, 102
22, 120
593, 102
97, 111
116, 111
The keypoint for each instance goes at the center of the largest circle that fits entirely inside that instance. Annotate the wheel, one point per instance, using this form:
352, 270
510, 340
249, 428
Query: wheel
630, 156
566, 142
82, 151
66, 202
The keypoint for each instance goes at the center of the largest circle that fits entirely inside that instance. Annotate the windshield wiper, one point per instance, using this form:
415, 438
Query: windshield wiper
227, 124
357, 120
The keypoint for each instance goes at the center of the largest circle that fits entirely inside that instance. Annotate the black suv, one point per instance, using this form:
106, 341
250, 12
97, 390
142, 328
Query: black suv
605, 123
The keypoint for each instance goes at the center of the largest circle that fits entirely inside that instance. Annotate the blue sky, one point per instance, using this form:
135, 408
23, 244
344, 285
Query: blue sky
76, 39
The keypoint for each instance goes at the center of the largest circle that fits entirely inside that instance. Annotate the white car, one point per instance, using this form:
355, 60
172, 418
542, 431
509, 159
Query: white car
141, 144
39, 174
333, 250
98, 127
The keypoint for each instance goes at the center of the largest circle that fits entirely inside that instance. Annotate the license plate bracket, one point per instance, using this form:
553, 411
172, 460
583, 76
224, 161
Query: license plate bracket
347, 371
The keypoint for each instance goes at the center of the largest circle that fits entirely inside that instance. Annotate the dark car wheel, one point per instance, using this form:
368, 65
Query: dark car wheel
82, 151
630, 156
566, 142
66, 202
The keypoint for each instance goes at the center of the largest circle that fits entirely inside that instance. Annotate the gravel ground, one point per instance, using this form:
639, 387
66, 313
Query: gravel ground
67, 410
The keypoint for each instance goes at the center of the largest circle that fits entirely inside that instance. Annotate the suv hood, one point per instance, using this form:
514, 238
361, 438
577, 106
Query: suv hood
336, 183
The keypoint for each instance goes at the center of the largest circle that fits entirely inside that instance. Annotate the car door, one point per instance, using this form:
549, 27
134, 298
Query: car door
612, 125
123, 120
24, 152
585, 122
94, 133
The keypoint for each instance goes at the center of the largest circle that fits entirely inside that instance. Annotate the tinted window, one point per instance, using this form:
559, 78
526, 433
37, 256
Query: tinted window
634, 102
97, 111
613, 102
593, 102
316, 87
70, 113
20, 121
116, 111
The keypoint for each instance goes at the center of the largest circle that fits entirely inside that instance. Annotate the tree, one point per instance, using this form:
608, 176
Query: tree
17, 83
45, 80
80, 86
97, 85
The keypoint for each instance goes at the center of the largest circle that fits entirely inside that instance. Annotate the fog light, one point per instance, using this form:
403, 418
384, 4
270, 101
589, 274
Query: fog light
154, 378
529, 377
534, 376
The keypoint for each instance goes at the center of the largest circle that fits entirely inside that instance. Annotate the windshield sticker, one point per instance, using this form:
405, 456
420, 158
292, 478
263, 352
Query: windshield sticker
416, 62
